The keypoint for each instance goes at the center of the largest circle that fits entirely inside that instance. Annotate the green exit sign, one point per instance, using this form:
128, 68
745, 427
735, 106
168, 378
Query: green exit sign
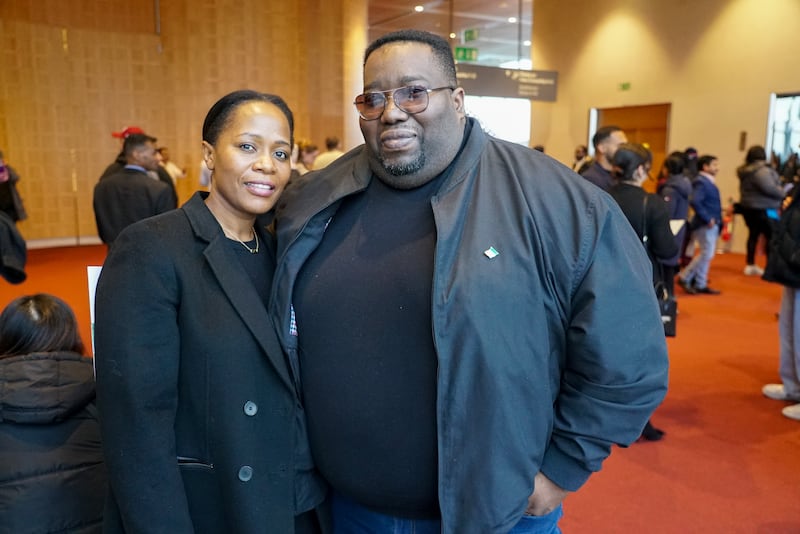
470, 35
464, 53
624, 86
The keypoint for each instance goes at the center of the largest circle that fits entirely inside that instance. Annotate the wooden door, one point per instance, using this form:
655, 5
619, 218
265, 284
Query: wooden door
648, 125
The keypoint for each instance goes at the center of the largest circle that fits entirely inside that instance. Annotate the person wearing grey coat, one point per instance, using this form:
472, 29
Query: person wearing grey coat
760, 197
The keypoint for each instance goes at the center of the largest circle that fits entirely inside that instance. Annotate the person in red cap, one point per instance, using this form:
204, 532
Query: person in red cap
131, 194
125, 132
119, 163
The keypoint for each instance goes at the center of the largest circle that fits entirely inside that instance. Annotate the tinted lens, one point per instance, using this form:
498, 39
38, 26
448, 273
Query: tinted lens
411, 99
370, 105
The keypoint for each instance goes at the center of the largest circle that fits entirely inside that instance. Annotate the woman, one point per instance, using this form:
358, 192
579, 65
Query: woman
52, 475
200, 416
760, 196
648, 215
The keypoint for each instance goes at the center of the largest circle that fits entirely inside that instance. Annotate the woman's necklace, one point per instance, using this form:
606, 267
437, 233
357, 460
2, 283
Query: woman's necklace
250, 250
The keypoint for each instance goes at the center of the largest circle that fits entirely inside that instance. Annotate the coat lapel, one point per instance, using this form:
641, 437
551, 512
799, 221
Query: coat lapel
237, 286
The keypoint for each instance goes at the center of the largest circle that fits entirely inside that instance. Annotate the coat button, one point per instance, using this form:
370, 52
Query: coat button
245, 473
250, 408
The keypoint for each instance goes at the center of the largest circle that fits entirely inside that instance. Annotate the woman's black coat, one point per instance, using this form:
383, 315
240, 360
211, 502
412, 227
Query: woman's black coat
197, 402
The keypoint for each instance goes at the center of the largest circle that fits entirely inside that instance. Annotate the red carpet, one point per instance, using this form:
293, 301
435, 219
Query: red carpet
730, 462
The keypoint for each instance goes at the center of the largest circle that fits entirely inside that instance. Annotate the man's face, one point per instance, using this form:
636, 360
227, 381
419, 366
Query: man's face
408, 150
712, 168
147, 156
609, 147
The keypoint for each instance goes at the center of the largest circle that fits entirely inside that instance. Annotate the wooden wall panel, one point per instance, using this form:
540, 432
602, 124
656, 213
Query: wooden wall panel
73, 71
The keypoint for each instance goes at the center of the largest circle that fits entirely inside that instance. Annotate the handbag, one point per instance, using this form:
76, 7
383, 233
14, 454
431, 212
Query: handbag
667, 305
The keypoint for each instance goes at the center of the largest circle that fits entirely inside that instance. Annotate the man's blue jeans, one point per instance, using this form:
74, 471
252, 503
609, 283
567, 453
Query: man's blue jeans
697, 270
352, 518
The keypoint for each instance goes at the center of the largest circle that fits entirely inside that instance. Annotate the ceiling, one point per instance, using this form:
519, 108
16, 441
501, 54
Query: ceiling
496, 39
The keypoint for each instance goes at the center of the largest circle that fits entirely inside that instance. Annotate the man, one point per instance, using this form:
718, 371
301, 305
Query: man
705, 226
160, 173
447, 299
333, 150
130, 194
582, 159
605, 141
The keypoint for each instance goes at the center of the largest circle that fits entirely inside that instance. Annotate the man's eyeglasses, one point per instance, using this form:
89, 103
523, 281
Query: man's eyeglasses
410, 99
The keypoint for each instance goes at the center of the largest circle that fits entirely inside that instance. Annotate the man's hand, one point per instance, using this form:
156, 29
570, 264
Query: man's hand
546, 496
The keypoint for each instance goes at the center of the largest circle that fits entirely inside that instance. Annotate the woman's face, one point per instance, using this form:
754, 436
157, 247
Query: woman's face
250, 161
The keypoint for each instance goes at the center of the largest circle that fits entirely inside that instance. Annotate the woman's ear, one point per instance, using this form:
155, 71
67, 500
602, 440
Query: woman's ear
208, 155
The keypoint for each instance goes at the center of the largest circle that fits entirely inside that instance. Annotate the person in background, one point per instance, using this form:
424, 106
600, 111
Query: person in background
175, 172
333, 150
538, 148
704, 226
201, 418
10, 200
783, 267
605, 141
52, 474
306, 154
676, 190
760, 197
130, 194
445, 296
159, 173
649, 217
582, 159
205, 174
690, 167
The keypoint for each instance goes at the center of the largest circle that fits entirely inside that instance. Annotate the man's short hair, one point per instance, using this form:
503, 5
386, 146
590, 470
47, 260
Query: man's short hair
331, 142
136, 141
704, 160
441, 49
604, 133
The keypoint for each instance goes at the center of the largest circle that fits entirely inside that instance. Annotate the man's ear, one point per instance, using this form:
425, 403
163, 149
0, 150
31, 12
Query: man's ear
458, 100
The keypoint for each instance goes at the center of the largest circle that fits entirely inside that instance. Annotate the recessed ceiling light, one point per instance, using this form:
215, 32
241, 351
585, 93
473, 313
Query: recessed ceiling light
452, 35
512, 20
526, 43
419, 9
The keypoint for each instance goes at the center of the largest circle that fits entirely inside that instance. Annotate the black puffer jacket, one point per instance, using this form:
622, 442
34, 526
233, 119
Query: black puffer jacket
52, 474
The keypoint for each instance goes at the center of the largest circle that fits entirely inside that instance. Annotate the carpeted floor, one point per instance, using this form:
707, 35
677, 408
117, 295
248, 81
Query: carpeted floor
729, 463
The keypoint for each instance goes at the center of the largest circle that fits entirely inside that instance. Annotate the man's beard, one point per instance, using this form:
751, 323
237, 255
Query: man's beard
403, 169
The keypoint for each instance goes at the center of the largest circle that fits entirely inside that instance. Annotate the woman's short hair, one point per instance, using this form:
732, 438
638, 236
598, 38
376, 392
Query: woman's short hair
628, 158
38, 323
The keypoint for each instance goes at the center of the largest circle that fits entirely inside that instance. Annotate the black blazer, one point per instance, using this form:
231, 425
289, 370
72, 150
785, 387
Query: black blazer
196, 400
126, 197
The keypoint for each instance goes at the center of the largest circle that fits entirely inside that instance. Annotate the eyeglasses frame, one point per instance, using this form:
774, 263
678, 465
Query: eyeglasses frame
390, 92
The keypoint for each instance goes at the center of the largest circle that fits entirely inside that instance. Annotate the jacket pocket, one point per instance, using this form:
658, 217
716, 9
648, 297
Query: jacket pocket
204, 496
